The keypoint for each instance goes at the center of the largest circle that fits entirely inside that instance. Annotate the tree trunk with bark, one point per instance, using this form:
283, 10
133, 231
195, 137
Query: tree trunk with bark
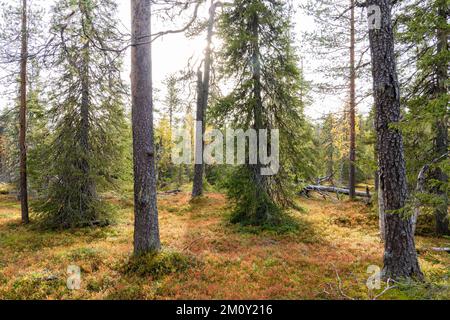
199, 167
352, 169
23, 117
146, 229
400, 258
203, 98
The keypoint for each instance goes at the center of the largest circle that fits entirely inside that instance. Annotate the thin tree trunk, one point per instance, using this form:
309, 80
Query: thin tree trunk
197, 189
400, 258
146, 229
441, 143
203, 98
330, 153
23, 117
352, 178
330, 165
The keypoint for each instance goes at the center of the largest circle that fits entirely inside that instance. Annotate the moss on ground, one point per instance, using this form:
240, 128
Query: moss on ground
325, 256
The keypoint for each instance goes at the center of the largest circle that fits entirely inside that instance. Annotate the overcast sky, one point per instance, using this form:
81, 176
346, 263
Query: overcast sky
171, 53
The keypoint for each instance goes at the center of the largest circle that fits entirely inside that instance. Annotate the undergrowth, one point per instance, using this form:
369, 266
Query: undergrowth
158, 264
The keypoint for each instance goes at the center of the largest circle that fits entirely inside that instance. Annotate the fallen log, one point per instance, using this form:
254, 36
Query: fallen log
441, 249
337, 191
169, 193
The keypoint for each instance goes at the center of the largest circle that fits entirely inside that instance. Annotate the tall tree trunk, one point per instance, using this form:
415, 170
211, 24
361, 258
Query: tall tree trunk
203, 98
441, 128
89, 188
400, 258
330, 154
23, 117
352, 178
199, 167
259, 180
146, 228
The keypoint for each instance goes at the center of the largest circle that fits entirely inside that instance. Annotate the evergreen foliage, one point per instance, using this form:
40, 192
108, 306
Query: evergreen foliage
87, 150
258, 56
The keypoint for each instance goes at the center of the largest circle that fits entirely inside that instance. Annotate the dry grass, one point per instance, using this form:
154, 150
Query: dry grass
334, 238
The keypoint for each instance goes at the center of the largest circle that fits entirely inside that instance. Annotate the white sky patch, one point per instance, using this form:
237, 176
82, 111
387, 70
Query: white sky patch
172, 52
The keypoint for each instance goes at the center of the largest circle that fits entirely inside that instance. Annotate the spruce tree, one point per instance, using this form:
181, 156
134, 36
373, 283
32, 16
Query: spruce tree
423, 33
87, 115
258, 56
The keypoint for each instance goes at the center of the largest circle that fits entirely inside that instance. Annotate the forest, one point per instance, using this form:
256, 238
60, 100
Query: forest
224, 150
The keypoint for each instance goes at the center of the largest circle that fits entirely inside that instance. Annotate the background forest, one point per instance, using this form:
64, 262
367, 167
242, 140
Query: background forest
87, 139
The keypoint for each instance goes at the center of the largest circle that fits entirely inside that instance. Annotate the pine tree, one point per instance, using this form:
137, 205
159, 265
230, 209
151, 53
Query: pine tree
146, 226
19, 41
258, 55
20, 34
400, 257
23, 114
87, 115
203, 95
340, 41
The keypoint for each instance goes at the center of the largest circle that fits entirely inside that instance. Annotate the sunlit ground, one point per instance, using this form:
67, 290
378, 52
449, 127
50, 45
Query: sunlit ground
326, 259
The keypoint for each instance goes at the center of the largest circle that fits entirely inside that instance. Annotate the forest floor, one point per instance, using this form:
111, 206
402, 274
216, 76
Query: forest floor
327, 258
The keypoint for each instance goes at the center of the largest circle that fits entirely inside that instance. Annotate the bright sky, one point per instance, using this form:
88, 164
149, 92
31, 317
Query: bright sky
171, 53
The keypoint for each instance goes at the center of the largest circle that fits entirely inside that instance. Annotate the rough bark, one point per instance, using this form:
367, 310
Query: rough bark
203, 97
352, 169
23, 117
400, 258
199, 167
146, 229
441, 128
